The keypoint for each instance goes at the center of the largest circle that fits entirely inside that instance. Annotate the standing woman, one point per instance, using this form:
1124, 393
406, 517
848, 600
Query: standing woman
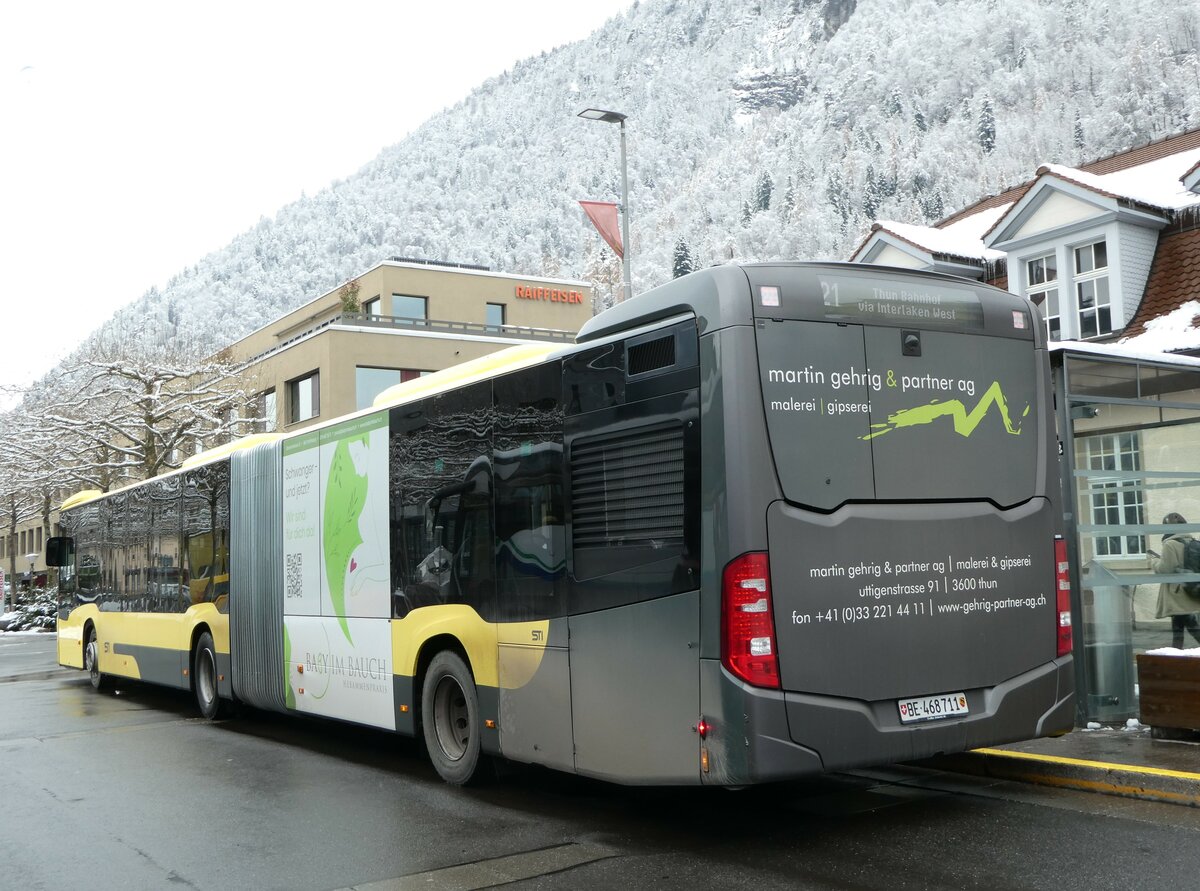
1173, 598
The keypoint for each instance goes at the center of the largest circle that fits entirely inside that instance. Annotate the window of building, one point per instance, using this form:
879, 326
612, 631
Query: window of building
407, 307
370, 382
1041, 278
1091, 289
304, 398
371, 308
495, 315
1118, 501
264, 411
230, 429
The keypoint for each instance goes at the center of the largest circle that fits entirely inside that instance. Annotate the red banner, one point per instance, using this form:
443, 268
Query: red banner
603, 215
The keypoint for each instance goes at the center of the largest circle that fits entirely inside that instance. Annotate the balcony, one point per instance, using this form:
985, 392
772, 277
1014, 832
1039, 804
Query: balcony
478, 329
329, 319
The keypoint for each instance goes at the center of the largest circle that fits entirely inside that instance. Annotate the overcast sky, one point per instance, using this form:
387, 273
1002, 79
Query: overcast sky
136, 137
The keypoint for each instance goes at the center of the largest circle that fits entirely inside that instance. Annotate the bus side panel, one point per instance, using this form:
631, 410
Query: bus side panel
535, 693
157, 647
70, 635
635, 691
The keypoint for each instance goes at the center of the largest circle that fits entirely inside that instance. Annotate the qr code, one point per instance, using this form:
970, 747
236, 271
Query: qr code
295, 575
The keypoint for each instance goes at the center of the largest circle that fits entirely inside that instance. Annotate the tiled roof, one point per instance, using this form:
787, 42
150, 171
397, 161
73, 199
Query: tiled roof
1174, 277
1181, 142
1009, 197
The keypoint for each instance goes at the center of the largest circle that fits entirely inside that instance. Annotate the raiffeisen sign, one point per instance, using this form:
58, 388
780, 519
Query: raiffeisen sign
551, 295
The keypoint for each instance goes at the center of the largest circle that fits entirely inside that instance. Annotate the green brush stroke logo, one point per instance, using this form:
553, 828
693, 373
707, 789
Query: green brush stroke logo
965, 422
345, 498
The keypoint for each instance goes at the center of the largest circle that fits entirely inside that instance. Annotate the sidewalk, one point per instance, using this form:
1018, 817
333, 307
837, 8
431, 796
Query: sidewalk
1114, 761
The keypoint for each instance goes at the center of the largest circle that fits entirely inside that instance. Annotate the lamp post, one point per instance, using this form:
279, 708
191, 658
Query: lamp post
616, 117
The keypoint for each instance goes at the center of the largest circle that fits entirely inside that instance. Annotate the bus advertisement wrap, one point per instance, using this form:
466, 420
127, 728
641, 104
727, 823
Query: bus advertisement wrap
336, 569
955, 419
329, 676
922, 599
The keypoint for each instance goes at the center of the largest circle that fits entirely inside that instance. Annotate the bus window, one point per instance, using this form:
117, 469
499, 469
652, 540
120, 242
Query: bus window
206, 535
527, 460
440, 494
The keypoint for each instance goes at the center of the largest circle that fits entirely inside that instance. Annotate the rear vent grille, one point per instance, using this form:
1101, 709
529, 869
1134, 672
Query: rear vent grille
627, 489
652, 355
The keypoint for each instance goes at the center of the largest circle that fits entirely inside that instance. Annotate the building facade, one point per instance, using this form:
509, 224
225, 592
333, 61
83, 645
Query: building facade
1110, 252
396, 321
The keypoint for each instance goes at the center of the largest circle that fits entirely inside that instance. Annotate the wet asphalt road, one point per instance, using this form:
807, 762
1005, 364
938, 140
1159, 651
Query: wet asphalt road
130, 790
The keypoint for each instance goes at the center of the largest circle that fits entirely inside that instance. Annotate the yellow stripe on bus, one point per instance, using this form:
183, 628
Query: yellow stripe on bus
480, 639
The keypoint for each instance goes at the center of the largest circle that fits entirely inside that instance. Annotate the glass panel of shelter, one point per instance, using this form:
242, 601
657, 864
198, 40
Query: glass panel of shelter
1135, 461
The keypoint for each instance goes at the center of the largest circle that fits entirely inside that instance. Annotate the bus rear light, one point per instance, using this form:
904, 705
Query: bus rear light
1062, 586
747, 625
702, 728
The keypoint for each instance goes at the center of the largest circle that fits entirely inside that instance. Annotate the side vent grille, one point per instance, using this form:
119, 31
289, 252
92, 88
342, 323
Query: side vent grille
652, 355
627, 489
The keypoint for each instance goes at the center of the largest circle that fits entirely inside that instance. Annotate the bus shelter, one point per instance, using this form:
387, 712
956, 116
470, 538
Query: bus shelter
1129, 442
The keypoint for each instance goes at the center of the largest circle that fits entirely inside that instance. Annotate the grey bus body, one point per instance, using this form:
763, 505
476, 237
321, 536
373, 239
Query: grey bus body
791, 387
881, 439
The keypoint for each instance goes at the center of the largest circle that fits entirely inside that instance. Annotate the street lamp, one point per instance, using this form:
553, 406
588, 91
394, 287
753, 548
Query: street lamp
616, 117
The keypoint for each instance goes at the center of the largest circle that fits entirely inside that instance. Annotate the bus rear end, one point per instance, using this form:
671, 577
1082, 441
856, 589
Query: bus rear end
896, 587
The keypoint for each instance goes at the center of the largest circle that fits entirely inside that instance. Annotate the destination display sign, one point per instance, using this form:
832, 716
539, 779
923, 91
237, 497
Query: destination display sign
900, 301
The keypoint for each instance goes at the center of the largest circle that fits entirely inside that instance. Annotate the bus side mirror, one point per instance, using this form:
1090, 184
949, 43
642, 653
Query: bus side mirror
60, 551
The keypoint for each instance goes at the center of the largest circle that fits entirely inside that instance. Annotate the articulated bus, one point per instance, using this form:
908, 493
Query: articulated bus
758, 523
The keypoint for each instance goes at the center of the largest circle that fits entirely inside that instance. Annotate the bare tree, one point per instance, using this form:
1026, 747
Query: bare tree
17, 504
116, 412
119, 415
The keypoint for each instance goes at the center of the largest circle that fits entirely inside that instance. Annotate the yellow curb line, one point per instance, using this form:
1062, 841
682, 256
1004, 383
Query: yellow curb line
1141, 792
1103, 765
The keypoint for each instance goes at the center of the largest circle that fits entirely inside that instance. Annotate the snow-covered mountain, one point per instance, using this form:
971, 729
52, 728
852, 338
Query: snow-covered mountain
758, 129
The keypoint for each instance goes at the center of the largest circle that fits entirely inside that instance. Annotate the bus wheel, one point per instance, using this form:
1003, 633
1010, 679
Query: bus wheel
91, 661
450, 716
204, 677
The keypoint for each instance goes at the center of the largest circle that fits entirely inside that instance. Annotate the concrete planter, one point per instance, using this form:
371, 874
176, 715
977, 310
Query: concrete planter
1169, 691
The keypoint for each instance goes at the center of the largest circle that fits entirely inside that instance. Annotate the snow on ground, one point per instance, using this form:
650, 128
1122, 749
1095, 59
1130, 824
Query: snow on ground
1172, 651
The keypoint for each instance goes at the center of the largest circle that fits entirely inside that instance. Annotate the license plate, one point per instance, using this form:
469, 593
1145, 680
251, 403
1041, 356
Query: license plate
932, 708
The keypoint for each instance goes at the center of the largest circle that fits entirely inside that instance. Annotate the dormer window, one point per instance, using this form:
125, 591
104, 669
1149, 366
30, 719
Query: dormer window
1041, 274
1091, 290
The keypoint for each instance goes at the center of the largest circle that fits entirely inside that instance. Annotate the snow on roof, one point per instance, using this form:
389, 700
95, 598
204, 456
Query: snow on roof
1156, 183
963, 238
1167, 333
1124, 350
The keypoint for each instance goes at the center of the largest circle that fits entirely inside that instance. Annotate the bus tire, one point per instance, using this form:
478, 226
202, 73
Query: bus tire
450, 719
91, 660
204, 677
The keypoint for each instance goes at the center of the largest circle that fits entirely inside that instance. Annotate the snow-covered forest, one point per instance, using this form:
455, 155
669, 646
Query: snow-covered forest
765, 129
